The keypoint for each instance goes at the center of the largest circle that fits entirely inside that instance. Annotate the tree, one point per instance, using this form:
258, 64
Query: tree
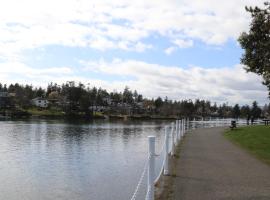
127, 96
158, 102
40, 92
256, 111
256, 43
236, 111
245, 111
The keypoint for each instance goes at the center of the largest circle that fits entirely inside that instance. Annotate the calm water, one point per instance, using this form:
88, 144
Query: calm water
51, 160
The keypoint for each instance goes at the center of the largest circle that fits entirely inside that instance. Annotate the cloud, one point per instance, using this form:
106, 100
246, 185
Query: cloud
117, 24
228, 84
11, 72
183, 43
170, 50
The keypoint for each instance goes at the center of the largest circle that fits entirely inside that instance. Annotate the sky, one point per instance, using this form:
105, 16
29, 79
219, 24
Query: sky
181, 49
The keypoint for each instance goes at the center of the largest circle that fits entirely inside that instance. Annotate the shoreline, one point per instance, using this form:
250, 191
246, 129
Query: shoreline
25, 115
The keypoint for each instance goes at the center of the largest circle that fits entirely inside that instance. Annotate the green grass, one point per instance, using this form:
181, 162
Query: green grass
255, 139
98, 114
45, 112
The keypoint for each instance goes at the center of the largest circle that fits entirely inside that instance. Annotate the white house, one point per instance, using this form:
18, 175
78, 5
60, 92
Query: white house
40, 102
107, 100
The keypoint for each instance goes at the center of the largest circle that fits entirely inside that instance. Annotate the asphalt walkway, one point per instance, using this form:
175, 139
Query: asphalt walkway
211, 167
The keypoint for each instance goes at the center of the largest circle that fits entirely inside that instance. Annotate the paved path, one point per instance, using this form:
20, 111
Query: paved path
211, 167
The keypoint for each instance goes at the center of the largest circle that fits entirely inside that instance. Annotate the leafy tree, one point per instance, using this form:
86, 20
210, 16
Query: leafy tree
116, 97
236, 111
127, 96
256, 43
158, 102
256, 111
40, 92
140, 98
245, 111
85, 103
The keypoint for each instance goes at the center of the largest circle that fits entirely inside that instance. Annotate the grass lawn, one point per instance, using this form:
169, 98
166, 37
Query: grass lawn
45, 112
255, 139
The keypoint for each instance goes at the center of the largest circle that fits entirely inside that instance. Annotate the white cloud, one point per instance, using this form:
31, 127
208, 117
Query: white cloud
228, 84
11, 72
179, 44
114, 24
183, 43
170, 50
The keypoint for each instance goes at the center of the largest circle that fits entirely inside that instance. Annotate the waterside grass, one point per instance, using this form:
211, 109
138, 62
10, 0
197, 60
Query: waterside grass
255, 139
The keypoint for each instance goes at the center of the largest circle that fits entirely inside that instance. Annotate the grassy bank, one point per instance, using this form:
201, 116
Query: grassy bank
45, 112
54, 113
255, 139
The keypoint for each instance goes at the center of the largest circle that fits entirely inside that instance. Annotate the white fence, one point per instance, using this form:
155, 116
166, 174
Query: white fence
157, 163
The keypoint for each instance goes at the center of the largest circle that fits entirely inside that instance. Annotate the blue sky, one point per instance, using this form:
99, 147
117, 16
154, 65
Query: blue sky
177, 48
200, 54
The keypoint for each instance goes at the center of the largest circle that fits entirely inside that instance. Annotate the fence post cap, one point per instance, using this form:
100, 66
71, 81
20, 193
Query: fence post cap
151, 138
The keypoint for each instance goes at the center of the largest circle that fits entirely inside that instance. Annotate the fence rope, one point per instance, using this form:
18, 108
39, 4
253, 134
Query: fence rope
140, 180
160, 172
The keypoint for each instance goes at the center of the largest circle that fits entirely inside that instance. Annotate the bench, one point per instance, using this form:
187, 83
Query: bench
233, 125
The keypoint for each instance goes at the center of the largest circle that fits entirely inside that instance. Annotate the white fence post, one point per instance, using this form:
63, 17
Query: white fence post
166, 163
172, 132
151, 168
180, 129
183, 129
175, 133
185, 125
178, 132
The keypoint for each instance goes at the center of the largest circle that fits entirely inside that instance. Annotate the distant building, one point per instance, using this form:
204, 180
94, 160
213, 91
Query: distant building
98, 108
40, 102
139, 105
107, 100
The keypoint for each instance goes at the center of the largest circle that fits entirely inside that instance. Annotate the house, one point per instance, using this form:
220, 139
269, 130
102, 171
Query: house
40, 102
107, 101
139, 105
98, 108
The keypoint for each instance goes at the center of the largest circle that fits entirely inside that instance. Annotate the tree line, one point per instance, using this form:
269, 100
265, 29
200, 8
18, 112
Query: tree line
73, 98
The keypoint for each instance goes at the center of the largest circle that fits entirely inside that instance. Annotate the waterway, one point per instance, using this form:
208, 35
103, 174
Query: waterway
58, 160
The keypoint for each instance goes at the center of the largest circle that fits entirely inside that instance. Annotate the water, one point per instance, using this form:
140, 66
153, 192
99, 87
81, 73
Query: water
54, 160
